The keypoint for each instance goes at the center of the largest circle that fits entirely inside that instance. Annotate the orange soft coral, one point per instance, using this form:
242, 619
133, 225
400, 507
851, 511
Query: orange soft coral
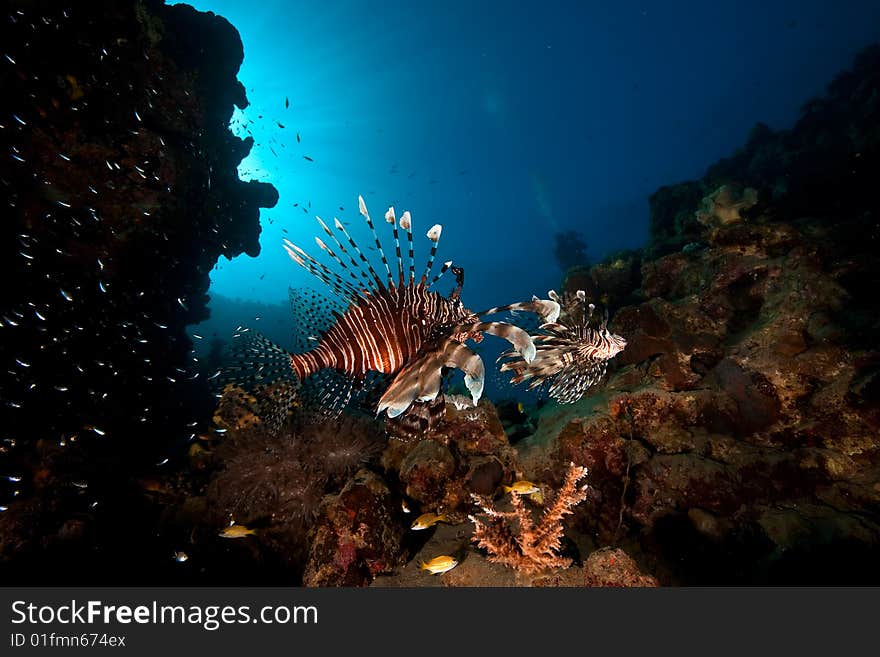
512, 537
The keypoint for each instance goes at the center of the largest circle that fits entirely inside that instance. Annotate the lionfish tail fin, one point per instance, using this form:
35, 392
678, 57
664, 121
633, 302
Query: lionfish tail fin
263, 369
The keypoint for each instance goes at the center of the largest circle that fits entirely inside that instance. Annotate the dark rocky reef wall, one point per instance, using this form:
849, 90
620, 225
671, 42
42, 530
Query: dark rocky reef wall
739, 440
119, 187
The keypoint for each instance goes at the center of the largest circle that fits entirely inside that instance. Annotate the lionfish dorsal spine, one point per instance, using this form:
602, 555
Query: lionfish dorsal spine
357, 250
406, 224
355, 267
333, 282
366, 215
391, 219
443, 270
340, 286
329, 251
433, 235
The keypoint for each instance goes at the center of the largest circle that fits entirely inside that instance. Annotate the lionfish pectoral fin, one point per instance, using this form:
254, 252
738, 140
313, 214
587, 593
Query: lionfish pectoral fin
520, 339
475, 385
461, 357
548, 309
419, 380
396, 400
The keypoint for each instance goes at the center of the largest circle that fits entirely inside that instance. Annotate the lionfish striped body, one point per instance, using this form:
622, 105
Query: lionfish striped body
572, 353
395, 325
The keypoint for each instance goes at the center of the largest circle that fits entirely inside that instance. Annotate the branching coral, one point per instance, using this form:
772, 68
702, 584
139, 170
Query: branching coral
513, 538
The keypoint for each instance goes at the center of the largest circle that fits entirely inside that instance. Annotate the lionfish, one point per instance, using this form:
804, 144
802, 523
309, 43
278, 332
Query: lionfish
395, 325
572, 352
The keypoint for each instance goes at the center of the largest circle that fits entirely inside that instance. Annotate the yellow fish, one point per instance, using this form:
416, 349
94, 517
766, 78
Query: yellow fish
197, 450
405, 507
522, 487
237, 531
520, 407
439, 565
427, 520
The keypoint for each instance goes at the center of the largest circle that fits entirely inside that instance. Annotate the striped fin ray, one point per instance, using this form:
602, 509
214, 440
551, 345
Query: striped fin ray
338, 260
256, 359
261, 366
461, 357
354, 264
323, 396
411, 382
548, 309
433, 235
366, 215
391, 219
443, 270
548, 364
353, 292
420, 381
406, 224
312, 316
341, 227
521, 340
576, 378
330, 278
314, 271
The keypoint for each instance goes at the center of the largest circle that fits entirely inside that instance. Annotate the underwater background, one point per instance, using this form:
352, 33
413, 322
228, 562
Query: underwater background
535, 136
706, 172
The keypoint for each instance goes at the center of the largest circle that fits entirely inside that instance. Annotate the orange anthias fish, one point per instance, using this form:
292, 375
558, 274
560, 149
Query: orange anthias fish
237, 531
522, 487
427, 520
439, 565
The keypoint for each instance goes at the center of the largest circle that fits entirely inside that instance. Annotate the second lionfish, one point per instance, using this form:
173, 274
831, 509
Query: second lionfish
572, 351
393, 324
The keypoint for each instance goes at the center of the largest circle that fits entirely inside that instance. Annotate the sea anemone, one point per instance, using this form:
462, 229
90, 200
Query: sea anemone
339, 448
268, 483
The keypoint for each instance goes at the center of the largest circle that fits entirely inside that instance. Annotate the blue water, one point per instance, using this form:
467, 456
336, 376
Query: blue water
509, 122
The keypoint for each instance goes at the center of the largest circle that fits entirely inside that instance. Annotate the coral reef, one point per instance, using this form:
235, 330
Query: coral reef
282, 480
738, 440
357, 537
513, 538
614, 567
467, 453
120, 188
